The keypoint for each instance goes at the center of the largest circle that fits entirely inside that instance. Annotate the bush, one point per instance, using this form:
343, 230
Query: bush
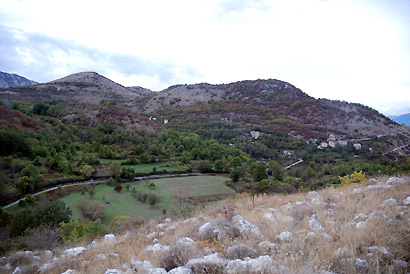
93, 211
75, 231
152, 199
118, 187
354, 178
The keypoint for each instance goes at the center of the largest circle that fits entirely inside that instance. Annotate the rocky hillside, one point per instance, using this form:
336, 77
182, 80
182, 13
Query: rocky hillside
353, 229
14, 80
268, 105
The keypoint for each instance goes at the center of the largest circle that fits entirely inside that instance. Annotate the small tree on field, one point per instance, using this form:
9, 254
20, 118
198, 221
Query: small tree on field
127, 186
118, 188
91, 192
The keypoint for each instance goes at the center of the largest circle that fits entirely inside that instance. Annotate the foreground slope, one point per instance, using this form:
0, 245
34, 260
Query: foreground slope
355, 229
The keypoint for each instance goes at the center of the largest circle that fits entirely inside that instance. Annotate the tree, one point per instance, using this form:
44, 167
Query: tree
114, 168
91, 192
128, 173
219, 166
237, 173
118, 187
276, 170
5, 218
258, 171
127, 186
22, 220
205, 166
52, 214
87, 171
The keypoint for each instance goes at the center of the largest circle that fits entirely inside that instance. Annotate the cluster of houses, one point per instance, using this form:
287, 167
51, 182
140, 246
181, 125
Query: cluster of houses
332, 142
151, 118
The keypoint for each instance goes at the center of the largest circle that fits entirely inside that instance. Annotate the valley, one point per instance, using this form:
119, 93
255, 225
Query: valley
121, 158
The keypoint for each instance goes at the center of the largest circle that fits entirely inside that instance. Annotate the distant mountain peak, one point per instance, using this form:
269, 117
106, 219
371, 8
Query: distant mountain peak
14, 80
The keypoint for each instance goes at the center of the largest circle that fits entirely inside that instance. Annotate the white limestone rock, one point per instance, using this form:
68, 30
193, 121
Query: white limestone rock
208, 232
69, 271
361, 265
389, 203
152, 235
284, 236
406, 201
185, 242
244, 227
361, 225
267, 247
212, 263
109, 237
157, 271
180, 270
262, 264
141, 265
315, 225
17, 271
158, 249
240, 251
74, 251
112, 271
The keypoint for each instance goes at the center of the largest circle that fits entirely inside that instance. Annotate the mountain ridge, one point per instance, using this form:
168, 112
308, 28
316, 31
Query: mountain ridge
14, 80
272, 105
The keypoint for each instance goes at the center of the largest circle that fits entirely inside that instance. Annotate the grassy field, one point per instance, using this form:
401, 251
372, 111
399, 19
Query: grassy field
125, 204
146, 168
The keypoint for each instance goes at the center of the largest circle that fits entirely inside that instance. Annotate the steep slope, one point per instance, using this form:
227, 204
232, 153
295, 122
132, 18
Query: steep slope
80, 88
269, 105
14, 80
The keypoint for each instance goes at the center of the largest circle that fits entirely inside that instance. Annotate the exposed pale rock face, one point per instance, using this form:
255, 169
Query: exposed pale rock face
406, 201
263, 264
74, 251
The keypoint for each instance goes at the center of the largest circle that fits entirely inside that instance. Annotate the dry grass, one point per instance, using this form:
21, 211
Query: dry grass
307, 251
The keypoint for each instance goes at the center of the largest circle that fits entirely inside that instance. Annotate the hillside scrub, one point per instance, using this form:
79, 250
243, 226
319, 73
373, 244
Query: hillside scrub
358, 228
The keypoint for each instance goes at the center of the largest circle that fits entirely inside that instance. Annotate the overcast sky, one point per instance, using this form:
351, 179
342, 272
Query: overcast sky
352, 50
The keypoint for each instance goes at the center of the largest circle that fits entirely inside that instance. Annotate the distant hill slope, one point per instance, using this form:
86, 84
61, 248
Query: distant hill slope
402, 119
270, 106
14, 80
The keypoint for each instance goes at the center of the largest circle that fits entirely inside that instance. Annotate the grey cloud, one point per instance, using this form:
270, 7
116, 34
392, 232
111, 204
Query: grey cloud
32, 55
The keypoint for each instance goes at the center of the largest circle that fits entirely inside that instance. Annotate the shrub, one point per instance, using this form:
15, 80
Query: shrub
354, 178
75, 231
118, 187
152, 199
93, 211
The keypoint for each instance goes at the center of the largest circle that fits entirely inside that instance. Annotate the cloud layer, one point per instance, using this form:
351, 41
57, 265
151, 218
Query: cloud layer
43, 58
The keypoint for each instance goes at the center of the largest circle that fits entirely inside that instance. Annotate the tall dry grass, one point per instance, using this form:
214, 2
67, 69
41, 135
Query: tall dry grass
356, 225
